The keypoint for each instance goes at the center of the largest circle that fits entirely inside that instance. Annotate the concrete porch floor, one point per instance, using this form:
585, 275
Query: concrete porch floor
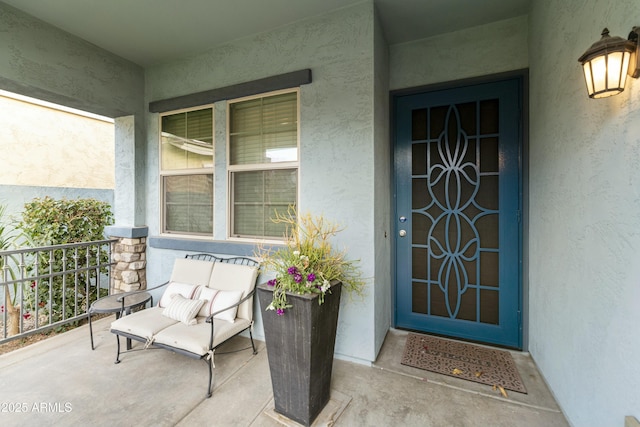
60, 381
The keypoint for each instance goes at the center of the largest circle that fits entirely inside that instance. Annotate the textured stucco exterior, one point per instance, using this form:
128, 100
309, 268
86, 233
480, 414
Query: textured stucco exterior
473, 52
43, 146
382, 217
49, 152
585, 220
336, 140
46, 63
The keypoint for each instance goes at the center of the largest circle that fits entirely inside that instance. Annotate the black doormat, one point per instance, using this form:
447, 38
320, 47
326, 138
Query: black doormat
461, 360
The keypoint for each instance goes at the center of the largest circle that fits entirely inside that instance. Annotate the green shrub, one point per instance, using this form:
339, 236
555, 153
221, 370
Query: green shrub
53, 222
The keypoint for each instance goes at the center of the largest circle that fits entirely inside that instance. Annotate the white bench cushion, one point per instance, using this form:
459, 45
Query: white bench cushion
153, 326
192, 271
195, 338
145, 323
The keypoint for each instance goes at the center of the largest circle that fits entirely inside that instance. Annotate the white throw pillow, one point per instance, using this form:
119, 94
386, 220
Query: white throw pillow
208, 295
225, 299
183, 309
186, 290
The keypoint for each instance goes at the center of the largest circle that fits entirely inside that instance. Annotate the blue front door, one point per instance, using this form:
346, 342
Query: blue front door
458, 227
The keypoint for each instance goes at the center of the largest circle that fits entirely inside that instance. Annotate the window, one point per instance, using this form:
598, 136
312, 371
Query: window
262, 163
186, 171
262, 166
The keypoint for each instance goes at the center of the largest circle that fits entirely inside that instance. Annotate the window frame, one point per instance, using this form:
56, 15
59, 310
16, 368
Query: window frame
230, 169
185, 172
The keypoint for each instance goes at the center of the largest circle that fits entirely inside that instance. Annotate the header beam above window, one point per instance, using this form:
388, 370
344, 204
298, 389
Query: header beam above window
268, 84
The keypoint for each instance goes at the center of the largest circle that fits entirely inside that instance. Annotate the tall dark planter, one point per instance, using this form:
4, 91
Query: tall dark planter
300, 347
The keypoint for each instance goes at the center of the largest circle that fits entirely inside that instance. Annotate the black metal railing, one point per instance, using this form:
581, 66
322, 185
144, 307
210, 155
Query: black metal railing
47, 287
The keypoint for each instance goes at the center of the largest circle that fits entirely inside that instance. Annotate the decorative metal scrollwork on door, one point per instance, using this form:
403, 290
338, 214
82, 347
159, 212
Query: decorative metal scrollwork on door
455, 213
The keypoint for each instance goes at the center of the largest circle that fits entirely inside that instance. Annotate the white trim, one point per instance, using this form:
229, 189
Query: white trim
262, 166
201, 171
256, 240
185, 110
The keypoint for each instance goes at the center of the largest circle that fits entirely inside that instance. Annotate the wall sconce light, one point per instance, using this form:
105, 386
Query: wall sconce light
608, 61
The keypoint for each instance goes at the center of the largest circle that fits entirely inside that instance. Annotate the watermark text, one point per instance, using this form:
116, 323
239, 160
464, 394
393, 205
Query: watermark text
36, 407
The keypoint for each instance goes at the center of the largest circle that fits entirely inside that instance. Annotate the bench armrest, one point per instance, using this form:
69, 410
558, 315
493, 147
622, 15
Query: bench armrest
139, 291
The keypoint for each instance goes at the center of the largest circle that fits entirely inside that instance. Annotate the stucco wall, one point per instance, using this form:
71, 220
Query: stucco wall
382, 221
479, 51
43, 146
43, 62
336, 136
585, 221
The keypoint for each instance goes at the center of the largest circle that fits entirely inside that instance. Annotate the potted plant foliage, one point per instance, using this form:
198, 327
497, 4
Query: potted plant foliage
300, 312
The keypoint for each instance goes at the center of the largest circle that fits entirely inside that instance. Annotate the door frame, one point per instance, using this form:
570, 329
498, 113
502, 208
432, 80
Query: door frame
523, 76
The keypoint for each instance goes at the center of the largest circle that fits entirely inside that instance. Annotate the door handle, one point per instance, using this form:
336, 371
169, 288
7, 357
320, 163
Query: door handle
402, 233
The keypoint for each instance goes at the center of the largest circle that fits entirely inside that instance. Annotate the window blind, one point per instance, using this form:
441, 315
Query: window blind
264, 130
257, 195
188, 203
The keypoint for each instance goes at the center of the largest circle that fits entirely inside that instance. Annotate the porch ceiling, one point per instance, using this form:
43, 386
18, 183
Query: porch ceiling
148, 32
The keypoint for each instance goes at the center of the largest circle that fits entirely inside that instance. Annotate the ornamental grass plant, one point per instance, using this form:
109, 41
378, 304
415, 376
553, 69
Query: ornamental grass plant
308, 263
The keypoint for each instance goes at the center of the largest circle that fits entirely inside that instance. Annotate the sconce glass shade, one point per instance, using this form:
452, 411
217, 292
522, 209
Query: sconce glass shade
605, 65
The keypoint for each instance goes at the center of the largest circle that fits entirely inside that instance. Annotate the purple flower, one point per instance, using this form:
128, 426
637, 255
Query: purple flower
297, 277
311, 277
272, 282
292, 270
280, 312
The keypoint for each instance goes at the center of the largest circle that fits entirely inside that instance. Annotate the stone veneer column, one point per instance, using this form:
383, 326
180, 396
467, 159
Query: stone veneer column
129, 272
